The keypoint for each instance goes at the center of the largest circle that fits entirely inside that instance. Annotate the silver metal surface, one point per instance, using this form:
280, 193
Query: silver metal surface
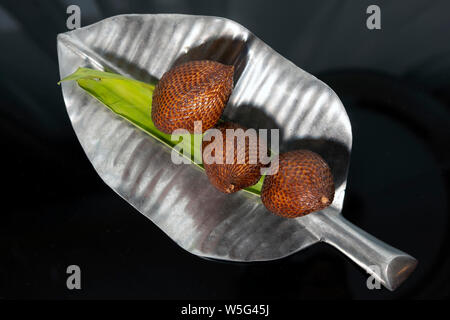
270, 92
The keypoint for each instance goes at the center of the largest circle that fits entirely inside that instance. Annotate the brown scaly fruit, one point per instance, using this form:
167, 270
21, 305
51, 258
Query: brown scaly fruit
303, 184
192, 91
231, 177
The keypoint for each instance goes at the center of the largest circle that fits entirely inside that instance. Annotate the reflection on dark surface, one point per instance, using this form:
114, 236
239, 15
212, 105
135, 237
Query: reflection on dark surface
57, 212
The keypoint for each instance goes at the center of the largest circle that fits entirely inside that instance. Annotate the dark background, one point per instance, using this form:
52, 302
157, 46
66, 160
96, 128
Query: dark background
394, 83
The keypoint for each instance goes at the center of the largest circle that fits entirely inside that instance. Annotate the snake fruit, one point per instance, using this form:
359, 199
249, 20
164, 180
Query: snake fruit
302, 184
192, 91
244, 168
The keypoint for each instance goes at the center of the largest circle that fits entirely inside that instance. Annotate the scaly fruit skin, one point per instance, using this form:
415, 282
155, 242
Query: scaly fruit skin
235, 176
192, 91
303, 184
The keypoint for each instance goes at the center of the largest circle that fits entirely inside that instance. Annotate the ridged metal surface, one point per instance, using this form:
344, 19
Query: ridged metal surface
270, 92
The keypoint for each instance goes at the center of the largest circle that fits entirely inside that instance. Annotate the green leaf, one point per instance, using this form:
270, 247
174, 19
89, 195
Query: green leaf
132, 100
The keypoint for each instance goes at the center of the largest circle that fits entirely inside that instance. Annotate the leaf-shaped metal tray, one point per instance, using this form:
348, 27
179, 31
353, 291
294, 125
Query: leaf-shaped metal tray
270, 92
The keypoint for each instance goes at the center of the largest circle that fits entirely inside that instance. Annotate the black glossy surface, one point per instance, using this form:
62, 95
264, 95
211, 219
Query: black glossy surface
394, 84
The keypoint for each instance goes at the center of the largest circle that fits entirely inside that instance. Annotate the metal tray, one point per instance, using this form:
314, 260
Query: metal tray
270, 92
